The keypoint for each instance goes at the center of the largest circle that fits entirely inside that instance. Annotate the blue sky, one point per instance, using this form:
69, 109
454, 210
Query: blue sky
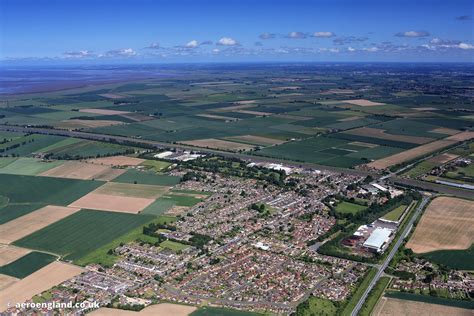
137, 31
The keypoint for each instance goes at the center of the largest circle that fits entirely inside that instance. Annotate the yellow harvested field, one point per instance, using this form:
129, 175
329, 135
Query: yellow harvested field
132, 190
395, 307
10, 253
260, 140
410, 154
443, 158
38, 282
113, 203
233, 107
163, 309
380, 133
117, 161
350, 118
447, 224
362, 102
6, 281
219, 117
256, 113
338, 91
217, 144
103, 111
78, 124
31, 222
84, 171
245, 102
426, 108
461, 136
362, 144
446, 131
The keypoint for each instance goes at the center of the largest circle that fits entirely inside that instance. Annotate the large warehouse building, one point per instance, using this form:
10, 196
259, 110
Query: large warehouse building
378, 239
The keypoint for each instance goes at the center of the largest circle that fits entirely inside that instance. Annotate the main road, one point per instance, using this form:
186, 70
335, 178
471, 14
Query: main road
387, 260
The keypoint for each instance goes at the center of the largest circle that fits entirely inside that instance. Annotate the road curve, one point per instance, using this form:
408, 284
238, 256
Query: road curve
394, 250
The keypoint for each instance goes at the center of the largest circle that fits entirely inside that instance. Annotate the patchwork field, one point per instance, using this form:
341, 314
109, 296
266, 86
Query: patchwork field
27, 224
218, 144
28, 166
447, 224
117, 161
9, 253
75, 236
363, 102
379, 133
38, 282
395, 307
410, 154
82, 124
84, 171
27, 264
152, 310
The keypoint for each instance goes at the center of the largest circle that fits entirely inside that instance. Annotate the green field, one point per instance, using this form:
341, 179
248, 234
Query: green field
315, 306
29, 189
156, 165
102, 256
349, 208
29, 166
27, 264
159, 207
395, 214
144, 177
374, 296
11, 211
172, 245
454, 259
81, 233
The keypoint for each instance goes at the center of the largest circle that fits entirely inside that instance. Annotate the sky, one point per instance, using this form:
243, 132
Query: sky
169, 31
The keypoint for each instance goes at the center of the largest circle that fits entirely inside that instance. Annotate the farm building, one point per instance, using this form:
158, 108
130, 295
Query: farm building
378, 239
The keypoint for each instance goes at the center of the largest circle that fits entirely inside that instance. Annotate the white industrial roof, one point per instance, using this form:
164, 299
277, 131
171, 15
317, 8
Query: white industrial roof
378, 237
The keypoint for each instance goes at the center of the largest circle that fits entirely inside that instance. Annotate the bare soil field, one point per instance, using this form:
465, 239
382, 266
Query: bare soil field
443, 158
103, 111
31, 222
163, 309
218, 144
38, 282
395, 307
446, 131
362, 102
132, 190
77, 124
84, 171
219, 117
338, 91
362, 144
410, 154
117, 161
447, 224
260, 140
10, 253
461, 136
6, 281
113, 203
380, 133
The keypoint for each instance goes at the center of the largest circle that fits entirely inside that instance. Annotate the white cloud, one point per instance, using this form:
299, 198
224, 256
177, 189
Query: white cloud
79, 54
413, 34
267, 35
192, 44
465, 46
227, 41
296, 35
125, 52
370, 49
323, 34
154, 46
351, 49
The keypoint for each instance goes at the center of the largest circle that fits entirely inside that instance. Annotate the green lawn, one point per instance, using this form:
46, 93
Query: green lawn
156, 165
27, 264
395, 214
83, 232
315, 306
172, 245
347, 207
374, 296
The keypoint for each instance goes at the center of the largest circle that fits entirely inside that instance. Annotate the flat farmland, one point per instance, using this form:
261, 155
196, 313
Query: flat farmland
147, 177
27, 264
395, 307
75, 236
29, 166
83, 171
31, 222
410, 154
37, 282
218, 144
117, 161
379, 133
447, 224
46, 190
10, 253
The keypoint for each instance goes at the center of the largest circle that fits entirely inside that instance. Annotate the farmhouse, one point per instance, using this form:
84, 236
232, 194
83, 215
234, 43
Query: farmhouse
378, 239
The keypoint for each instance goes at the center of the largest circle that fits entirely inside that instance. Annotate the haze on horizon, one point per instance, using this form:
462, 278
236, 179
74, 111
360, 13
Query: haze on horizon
145, 31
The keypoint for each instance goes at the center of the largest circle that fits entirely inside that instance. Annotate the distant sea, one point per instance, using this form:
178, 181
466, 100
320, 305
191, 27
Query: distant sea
22, 80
